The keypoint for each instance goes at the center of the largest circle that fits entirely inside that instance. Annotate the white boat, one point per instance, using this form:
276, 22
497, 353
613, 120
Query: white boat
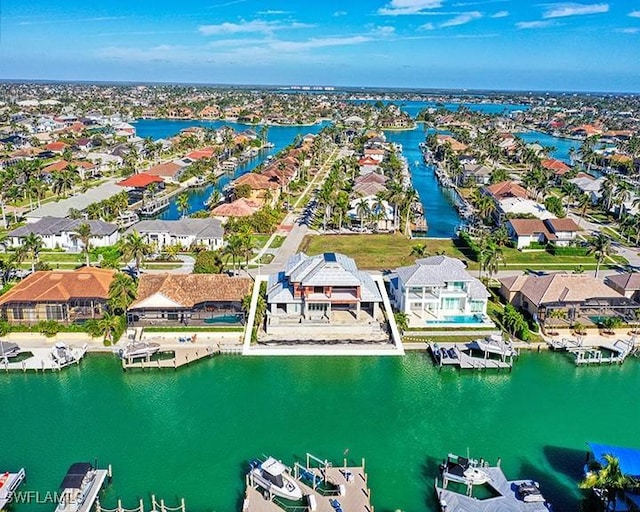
62, 354
9, 482
80, 487
464, 470
494, 344
274, 477
138, 349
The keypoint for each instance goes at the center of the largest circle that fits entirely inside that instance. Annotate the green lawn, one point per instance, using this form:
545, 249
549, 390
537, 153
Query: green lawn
277, 241
381, 252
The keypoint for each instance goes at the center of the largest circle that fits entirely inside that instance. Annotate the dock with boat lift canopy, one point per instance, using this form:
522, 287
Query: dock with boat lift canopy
461, 355
178, 356
507, 499
351, 481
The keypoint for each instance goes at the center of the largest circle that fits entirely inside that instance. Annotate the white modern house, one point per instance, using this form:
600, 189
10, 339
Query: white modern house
59, 233
184, 232
439, 290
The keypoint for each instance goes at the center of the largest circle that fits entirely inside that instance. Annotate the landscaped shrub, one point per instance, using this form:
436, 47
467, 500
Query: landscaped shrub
567, 251
48, 327
465, 239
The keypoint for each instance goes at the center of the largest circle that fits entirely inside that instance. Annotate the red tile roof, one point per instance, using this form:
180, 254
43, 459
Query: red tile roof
61, 286
238, 208
60, 165
55, 146
140, 180
555, 165
506, 189
169, 169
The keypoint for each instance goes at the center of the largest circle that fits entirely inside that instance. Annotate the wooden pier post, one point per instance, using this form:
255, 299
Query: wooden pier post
119, 505
141, 503
162, 508
182, 505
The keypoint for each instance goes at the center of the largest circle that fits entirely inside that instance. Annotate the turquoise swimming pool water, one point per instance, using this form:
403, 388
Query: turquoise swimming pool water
457, 319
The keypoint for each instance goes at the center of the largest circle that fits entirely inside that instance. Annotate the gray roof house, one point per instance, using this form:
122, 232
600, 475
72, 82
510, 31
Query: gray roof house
627, 284
327, 289
58, 233
439, 291
185, 232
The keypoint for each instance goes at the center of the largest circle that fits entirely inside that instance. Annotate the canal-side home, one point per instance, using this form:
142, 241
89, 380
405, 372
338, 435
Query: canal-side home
186, 233
60, 233
628, 284
581, 296
61, 295
439, 290
559, 232
188, 299
315, 296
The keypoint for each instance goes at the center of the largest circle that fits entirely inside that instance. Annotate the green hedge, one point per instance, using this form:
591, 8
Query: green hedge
567, 251
465, 240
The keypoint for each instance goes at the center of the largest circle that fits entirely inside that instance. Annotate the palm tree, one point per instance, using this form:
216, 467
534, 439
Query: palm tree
135, 247
83, 235
363, 211
234, 249
122, 292
419, 250
583, 204
600, 247
610, 479
32, 243
109, 325
182, 203
490, 258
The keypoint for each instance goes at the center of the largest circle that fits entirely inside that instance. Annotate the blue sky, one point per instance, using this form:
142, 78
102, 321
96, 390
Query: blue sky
495, 44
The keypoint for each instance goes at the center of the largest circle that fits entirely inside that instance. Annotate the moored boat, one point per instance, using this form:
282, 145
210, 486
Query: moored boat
138, 349
464, 470
9, 482
275, 478
80, 487
8, 350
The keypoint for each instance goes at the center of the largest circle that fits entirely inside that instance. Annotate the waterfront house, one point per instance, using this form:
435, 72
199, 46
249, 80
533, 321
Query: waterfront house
524, 232
59, 233
62, 295
326, 291
264, 189
628, 284
169, 171
186, 233
476, 173
505, 190
238, 208
138, 184
378, 215
581, 296
589, 185
437, 289
188, 299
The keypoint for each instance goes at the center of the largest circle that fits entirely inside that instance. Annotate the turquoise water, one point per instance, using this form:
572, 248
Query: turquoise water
190, 433
456, 319
413, 108
563, 146
438, 202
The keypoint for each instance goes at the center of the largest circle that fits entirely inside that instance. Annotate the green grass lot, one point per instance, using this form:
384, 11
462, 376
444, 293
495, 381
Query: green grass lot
382, 252
386, 252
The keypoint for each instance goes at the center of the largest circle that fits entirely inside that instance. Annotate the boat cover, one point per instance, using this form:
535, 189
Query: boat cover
629, 458
75, 475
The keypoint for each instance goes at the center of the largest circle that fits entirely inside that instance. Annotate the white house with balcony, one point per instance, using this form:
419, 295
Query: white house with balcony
185, 232
439, 291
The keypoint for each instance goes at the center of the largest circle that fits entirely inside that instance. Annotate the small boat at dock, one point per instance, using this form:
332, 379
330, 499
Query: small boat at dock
8, 350
63, 355
275, 478
9, 482
81, 486
464, 470
138, 349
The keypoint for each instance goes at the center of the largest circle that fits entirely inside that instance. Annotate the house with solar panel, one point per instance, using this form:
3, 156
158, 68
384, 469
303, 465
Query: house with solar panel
317, 296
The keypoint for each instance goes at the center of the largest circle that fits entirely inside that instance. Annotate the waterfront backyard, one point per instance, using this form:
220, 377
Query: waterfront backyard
190, 433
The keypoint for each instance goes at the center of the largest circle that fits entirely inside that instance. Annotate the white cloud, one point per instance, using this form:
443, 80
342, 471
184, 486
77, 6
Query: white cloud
427, 26
320, 42
384, 31
629, 30
254, 26
462, 19
272, 12
571, 9
500, 14
400, 7
534, 24
340, 13
635, 14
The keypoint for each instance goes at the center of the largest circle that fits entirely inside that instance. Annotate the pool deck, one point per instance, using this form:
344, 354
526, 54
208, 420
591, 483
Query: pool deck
357, 497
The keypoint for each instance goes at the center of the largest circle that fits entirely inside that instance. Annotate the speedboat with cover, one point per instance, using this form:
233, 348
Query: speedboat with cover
273, 476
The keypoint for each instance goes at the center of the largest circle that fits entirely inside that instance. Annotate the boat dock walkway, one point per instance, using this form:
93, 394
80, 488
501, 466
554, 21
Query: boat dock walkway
40, 360
458, 354
156, 506
174, 357
352, 493
602, 353
507, 501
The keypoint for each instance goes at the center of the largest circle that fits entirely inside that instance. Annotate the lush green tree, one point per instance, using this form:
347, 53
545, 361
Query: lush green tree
83, 234
135, 247
402, 321
208, 262
122, 293
609, 479
600, 247
182, 204
33, 244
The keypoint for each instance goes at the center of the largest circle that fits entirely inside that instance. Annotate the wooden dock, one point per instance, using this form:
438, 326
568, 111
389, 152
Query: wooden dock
352, 480
173, 357
156, 506
459, 354
507, 499
40, 360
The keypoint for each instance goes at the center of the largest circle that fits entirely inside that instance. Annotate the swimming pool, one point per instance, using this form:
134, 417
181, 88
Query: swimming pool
457, 319
224, 319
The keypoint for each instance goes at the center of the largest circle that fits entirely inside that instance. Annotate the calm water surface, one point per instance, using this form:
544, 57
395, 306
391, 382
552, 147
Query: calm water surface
191, 432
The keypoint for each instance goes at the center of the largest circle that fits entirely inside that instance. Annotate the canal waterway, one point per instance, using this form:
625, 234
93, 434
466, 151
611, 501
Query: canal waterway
190, 433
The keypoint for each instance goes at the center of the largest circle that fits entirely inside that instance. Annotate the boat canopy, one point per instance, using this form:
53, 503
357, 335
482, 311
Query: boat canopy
629, 458
75, 475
